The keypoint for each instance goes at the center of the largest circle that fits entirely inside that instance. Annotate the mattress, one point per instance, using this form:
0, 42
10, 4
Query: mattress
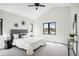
29, 44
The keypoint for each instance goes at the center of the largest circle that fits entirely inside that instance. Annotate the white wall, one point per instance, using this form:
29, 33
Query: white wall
9, 19
61, 15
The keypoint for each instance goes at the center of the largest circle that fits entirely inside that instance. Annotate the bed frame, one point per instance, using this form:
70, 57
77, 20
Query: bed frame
15, 31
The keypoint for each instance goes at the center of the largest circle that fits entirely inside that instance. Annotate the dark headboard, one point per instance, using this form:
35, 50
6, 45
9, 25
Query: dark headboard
16, 31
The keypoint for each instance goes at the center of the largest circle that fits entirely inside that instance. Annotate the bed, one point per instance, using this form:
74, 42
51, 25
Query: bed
27, 43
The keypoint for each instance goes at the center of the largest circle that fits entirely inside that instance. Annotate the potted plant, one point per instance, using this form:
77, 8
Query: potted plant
72, 36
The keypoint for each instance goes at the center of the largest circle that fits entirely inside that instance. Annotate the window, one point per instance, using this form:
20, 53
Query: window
49, 28
1, 26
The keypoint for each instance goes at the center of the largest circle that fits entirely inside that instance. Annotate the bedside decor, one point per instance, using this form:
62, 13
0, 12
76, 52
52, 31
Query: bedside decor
72, 37
7, 36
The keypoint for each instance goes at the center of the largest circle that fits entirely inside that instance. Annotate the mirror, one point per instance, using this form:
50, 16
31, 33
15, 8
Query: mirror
31, 27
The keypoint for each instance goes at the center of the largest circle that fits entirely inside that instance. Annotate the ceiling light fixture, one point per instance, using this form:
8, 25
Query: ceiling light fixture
36, 5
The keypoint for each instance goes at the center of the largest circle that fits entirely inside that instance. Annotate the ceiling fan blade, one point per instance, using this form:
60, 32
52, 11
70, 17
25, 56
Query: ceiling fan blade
31, 5
42, 5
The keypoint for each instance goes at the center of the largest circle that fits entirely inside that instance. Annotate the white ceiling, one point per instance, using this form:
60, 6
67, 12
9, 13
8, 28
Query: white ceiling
29, 12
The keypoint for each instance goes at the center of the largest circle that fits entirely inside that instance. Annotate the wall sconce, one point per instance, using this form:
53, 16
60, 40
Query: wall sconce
16, 25
23, 23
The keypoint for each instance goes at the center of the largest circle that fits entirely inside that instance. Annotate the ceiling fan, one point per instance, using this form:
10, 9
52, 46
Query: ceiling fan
36, 5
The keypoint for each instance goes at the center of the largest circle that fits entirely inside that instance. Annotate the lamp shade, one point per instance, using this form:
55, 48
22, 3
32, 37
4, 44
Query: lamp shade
7, 36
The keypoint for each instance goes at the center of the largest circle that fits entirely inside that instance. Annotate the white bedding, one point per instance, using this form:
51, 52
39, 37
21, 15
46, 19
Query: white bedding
29, 44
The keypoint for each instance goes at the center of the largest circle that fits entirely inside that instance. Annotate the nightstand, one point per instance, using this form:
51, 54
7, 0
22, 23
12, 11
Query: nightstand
7, 41
7, 44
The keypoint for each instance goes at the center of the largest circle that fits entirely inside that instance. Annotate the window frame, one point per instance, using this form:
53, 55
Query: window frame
49, 28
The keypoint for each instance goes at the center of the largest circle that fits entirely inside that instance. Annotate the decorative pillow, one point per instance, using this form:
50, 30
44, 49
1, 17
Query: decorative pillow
22, 35
16, 36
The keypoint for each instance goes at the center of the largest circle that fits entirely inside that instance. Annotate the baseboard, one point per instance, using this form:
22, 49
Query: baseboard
2, 49
57, 42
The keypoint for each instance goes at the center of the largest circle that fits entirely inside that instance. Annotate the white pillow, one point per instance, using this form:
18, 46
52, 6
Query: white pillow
16, 36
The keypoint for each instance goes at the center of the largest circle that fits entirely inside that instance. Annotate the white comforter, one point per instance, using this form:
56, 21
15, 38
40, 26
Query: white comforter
29, 44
